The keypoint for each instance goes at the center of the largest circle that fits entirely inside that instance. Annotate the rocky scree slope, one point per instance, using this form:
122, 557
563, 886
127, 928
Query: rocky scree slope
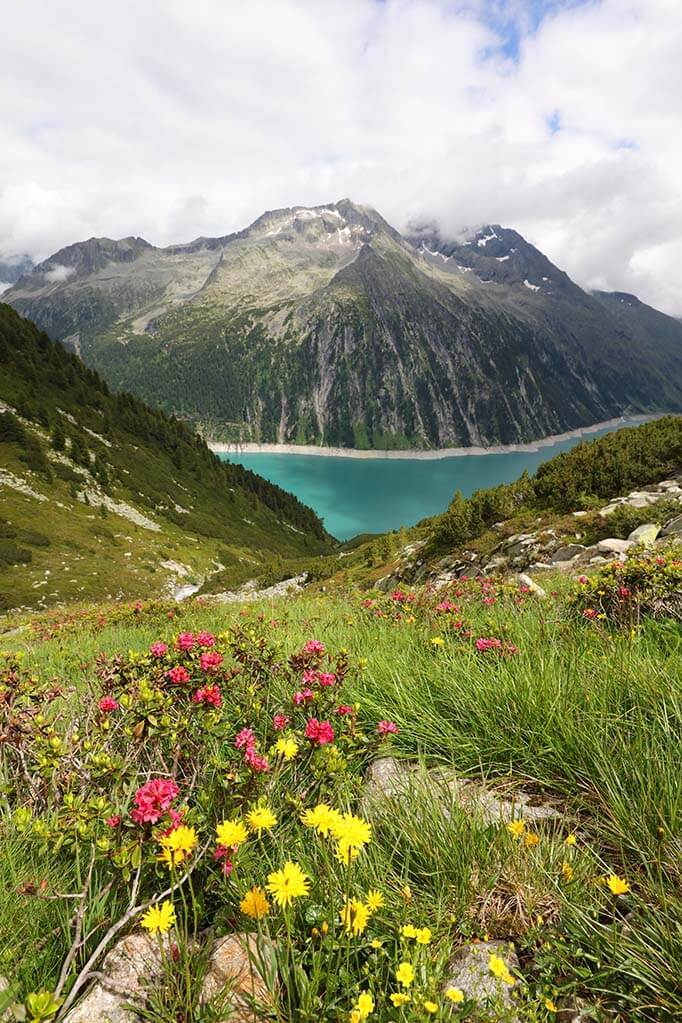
325, 325
102, 496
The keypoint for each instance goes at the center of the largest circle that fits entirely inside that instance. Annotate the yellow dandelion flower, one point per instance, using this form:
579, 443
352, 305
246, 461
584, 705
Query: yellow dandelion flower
231, 833
516, 828
159, 919
177, 845
405, 974
409, 931
550, 1006
423, 935
260, 819
617, 885
288, 884
531, 839
399, 998
355, 916
255, 904
374, 900
430, 1007
376, 943
567, 872
570, 839
287, 748
455, 994
437, 641
407, 893
499, 969
322, 818
364, 1005
352, 834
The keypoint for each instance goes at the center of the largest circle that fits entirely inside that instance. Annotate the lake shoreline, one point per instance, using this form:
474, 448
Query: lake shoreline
224, 448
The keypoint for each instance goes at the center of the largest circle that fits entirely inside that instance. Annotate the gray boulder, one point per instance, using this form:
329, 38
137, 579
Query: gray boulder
124, 978
525, 580
673, 528
241, 976
645, 534
613, 545
470, 971
567, 553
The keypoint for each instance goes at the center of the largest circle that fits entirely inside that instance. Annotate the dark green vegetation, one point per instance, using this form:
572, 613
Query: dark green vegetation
326, 326
97, 490
583, 477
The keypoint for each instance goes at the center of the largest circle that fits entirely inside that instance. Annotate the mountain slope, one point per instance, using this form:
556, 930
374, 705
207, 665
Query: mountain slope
324, 325
101, 495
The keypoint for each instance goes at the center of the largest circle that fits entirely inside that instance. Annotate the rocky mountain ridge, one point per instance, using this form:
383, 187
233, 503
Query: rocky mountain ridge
325, 325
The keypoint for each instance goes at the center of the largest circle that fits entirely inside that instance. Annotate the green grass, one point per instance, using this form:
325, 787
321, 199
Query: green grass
589, 718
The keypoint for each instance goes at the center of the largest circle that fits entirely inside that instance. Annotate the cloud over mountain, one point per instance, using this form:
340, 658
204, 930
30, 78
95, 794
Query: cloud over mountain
167, 120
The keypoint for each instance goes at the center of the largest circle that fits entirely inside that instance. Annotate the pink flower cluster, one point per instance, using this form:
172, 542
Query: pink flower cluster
313, 646
324, 678
153, 799
178, 675
210, 661
446, 605
483, 645
303, 696
280, 722
246, 741
107, 704
208, 694
158, 649
319, 732
185, 642
387, 728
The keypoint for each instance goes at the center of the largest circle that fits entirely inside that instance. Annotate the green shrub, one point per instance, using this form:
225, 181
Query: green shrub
647, 584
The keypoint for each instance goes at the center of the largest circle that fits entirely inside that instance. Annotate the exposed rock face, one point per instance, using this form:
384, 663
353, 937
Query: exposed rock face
126, 971
645, 534
612, 545
470, 971
241, 972
325, 325
388, 778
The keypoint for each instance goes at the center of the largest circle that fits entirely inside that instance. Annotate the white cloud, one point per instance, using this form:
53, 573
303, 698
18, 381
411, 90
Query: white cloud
171, 120
58, 273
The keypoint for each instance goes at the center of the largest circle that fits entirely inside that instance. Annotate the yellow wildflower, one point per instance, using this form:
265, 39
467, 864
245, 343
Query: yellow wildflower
531, 839
355, 916
407, 893
177, 845
455, 994
375, 900
376, 943
570, 839
423, 935
400, 998
288, 748
516, 828
405, 974
617, 885
231, 833
255, 904
430, 1006
550, 1006
288, 884
260, 819
437, 641
409, 931
352, 834
499, 969
567, 872
364, 1005
159, 919
322, 818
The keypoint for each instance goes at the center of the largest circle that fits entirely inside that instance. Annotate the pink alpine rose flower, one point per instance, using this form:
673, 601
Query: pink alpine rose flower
387, 728
178, 675
185, 641
313, 646
210, 661
107, 704
303, 696
205, 639
158, 649
319, 732
153, 799
280, 722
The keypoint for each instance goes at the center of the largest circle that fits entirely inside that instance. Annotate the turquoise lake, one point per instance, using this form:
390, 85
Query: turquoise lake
373, 495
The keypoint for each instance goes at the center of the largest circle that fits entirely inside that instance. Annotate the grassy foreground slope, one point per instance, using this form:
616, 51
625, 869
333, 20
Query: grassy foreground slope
556, 703
101, 495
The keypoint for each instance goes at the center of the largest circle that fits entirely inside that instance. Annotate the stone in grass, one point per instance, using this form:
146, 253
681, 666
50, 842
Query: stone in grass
645, 534
241, 975
612, 545
388, 778
525, 580
126, 974
470, 971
